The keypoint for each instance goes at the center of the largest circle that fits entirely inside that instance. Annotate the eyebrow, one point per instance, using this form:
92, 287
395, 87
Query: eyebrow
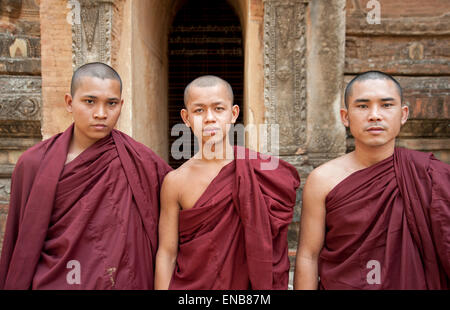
361, 100
95, 97
214, 103
367, 100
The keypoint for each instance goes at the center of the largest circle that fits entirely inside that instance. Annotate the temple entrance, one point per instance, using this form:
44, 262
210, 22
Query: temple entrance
205, 38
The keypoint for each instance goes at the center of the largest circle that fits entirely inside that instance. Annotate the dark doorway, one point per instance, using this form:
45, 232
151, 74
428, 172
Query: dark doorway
205, 38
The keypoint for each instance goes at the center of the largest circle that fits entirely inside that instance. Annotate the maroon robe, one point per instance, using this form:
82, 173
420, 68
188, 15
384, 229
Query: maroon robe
392, 218
235, 236
100, 211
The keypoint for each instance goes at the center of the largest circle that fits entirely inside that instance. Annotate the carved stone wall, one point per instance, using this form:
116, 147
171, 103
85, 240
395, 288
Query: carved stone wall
285, 72
20, 89
91, 31
20, 106
303, 78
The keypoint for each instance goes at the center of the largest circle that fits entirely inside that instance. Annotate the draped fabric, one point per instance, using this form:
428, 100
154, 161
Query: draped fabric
96, 216
388, 226
235, 236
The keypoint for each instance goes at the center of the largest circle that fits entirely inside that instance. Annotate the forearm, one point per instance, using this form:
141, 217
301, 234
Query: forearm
165, 265
306, 274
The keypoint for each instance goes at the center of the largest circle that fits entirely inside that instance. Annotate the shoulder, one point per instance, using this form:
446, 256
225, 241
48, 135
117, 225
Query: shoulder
141, 149
330, 169
263, 163
424, 160
173, 183
176, 178
33, 156
420, 160
416, 156
326, 176
137, 146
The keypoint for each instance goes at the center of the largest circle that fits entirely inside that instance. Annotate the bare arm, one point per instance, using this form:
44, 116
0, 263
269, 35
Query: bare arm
168, 234
312, 233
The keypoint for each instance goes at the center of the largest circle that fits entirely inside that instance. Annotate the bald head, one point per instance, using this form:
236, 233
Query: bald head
208, 81
370, 75
93, 69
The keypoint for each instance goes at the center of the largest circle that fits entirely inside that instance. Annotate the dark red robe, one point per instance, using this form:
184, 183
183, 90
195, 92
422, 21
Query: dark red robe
393, 219
100, 211
235, 236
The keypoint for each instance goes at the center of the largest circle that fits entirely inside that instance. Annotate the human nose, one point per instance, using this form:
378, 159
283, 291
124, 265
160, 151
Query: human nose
210, 117
100, 112
374, 114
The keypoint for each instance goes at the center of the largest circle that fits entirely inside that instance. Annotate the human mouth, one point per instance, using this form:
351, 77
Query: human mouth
210, 131
375, 129
99, 126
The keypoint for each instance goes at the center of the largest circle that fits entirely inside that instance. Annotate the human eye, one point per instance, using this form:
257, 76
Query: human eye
362, 106
387, 105
198, 110
89, 101
112, 103
219, 108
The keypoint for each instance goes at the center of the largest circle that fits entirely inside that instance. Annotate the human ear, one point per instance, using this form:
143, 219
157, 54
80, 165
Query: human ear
68, 100
235, 113
184, 116
344, 117
405, 114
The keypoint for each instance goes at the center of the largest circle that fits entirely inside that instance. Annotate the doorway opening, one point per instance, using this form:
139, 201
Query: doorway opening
205, 38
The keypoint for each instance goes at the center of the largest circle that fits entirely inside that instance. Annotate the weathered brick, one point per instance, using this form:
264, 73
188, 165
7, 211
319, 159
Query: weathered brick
56, 54
398, 55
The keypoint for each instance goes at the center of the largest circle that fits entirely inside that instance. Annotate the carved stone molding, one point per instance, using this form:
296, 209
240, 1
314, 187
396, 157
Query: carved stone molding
91, 35
20, 106
20, 98
285, 72
20, 129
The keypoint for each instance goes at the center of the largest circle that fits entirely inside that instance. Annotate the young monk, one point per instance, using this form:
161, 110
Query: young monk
378, 217
224, 218
84, 204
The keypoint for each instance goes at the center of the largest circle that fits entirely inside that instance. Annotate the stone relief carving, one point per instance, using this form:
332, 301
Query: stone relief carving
285, 72
89, 18
20, 106
20, 98
91, 38
20, 129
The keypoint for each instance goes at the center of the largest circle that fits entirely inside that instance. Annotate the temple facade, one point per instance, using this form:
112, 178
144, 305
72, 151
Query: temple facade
287, 60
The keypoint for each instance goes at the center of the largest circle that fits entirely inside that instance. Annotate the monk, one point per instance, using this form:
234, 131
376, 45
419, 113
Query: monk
377, 217
84, 204
224, 216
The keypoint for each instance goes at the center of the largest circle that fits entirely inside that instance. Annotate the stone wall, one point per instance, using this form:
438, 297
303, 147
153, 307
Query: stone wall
411, 43
20, 89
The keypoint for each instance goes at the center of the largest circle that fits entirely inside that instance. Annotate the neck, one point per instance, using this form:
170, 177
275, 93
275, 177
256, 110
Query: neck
367, 156
216, 152
78, 144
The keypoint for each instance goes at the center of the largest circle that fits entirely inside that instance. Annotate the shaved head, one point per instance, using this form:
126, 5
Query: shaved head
208, 81
370, 75
93, 69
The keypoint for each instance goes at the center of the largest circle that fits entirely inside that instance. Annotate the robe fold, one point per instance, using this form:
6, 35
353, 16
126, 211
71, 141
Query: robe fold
388, 226
235, 236
88, 224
